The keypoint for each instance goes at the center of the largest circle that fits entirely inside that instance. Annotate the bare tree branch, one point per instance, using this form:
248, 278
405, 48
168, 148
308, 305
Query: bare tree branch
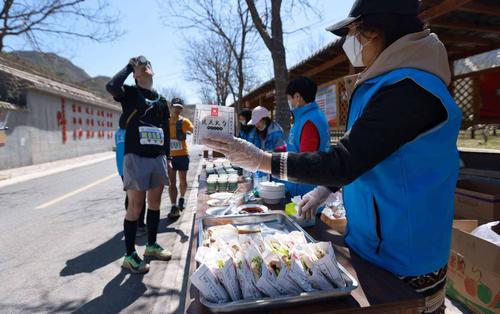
62, 18
209, 63
228, 21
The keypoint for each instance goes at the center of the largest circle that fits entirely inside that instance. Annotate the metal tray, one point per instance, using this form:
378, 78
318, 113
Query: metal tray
283, 223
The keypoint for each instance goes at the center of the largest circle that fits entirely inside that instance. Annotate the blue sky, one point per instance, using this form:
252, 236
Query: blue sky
147, 34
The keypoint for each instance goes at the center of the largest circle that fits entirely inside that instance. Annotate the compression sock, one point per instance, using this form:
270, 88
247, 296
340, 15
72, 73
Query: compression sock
153, 220
129, 230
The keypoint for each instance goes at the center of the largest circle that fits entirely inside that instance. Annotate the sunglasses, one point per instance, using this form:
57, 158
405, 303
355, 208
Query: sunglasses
143, 61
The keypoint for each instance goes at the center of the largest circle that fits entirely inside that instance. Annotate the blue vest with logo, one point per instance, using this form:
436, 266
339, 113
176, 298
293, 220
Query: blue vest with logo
310, 112
250, 136
400, 212
120, 149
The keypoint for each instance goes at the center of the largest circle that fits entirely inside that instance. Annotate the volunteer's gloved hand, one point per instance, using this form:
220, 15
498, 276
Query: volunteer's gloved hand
312, 200
237, 150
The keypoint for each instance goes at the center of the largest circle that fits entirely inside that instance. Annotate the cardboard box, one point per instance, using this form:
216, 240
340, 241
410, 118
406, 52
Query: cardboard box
477, 200
473, 270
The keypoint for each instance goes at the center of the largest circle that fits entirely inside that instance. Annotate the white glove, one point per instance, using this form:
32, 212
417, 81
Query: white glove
312, 200
237, 150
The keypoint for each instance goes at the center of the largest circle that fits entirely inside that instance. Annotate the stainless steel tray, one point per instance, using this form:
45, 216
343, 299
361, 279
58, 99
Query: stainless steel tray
280, 222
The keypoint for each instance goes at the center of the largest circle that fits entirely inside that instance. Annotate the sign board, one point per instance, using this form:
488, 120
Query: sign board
327, 101
212, 119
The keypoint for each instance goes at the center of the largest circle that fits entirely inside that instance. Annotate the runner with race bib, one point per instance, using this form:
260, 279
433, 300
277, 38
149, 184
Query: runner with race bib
179, 127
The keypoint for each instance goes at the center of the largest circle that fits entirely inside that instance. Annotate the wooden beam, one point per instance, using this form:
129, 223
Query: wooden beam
478, 73
441, 9
467, 26
456, 39
469, 53
333, 62
493, 10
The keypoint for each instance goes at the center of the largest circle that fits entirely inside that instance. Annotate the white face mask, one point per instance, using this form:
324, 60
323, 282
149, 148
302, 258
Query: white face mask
354, 50
243, 122
290, 105
262, 128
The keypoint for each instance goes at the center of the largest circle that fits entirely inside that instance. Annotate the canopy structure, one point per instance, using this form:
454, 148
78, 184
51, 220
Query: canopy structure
466, 27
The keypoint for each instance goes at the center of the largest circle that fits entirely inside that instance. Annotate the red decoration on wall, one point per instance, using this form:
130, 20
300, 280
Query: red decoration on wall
79, 108
74, 120
61, 120
75, 134
80, 133
74, 108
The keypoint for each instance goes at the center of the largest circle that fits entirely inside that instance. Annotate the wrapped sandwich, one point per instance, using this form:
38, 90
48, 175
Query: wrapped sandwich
264, 278
326, 262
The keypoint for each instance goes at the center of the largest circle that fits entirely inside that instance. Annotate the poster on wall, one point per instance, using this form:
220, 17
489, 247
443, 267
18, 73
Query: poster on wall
327, 101
212, 119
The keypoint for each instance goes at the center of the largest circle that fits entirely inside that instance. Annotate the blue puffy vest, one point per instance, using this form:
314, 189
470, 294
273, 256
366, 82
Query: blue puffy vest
400, 213
310, 112
120, 149
275, 138
250, 136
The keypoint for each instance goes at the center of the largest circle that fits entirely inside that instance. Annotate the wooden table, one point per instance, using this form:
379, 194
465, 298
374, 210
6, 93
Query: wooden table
379, 291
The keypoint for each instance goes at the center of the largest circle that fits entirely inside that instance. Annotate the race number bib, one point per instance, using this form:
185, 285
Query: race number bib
151, 136
175, 145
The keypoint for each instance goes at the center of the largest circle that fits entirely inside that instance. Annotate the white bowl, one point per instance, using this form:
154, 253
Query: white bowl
272, 194
271, 201
272, 186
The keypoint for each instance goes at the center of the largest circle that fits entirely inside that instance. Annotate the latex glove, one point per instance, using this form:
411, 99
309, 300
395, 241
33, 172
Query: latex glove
312, 200
238, 151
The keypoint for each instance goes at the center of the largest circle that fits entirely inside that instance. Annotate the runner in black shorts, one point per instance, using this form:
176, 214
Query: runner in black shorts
147, 147
179, 127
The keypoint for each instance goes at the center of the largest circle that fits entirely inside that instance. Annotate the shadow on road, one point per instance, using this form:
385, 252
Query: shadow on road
110, 251
125, 288
116, 295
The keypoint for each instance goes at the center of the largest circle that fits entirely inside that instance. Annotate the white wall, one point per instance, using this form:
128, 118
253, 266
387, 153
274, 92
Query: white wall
36, 137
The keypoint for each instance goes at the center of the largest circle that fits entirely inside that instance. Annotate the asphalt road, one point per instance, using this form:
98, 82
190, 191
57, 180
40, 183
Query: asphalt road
61, 245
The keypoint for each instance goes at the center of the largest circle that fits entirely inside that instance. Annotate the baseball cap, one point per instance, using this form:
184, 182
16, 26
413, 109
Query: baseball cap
366, 7
258, 113
177, 102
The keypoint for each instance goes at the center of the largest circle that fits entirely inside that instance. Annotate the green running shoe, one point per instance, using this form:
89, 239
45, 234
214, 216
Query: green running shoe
158, 252
135, 264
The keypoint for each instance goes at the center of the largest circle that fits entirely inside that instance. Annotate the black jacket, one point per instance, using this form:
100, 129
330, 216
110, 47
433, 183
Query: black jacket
395, 115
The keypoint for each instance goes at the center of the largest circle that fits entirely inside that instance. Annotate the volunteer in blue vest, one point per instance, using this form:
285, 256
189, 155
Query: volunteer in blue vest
270, 135
247, 132
179, 128
398, 162
310, 131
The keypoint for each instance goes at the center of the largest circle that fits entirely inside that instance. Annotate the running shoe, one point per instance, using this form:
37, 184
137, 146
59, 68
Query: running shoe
181, 204
174, 213
158, 252
135, 264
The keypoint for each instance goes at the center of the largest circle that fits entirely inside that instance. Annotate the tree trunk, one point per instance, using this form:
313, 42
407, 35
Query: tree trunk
278, 54
280, 83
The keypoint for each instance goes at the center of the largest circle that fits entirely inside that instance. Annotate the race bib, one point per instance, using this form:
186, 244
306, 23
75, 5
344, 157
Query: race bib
151, 136
175, 145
